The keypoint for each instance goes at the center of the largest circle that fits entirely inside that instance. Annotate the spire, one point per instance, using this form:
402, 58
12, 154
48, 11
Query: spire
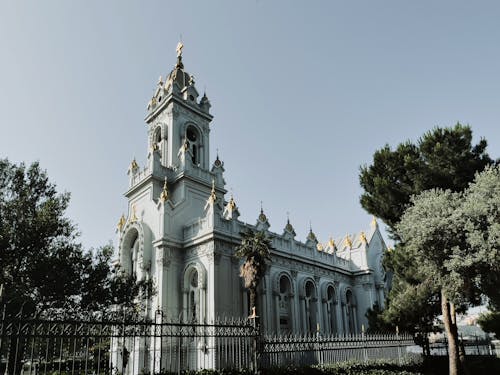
179, 48
374, 223
289, 231
362, 236
262, 221
212, 197
331, 243
348, 241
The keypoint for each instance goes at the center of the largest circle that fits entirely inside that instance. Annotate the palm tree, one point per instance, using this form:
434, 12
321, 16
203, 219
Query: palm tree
256, 249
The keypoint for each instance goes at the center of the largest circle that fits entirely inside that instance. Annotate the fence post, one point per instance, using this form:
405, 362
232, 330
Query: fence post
363, 338
399, 345
254, 318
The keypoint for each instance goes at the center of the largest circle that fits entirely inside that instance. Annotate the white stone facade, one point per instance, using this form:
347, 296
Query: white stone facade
181, 232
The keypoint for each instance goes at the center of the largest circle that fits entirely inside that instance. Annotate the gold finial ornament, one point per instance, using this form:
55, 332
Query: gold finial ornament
374, 222
134, 165
348, 241
362, 236
319, 246
213, 197
331, 243
232, 204
164, 192
121, 223
179, 48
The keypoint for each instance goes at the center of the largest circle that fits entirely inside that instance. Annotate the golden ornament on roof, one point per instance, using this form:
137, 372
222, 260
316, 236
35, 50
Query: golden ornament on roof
121, 223
164, 192
362, 236
348, 241
319, 246
179, 48
331, 243
213, 197
231, 204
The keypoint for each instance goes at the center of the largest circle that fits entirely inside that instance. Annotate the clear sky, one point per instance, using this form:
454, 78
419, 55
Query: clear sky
302, 92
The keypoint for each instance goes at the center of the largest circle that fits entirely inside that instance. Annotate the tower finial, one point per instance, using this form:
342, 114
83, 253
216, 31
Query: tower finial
261, 209
179, 48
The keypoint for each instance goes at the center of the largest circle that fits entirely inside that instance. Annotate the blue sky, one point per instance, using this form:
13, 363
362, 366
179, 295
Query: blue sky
303, 93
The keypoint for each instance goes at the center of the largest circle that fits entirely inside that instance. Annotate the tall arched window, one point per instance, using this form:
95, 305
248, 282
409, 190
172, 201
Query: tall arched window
193, 139
194, 303
311, 307
130, 250
330, 318
350, 312
285, 308
194, 298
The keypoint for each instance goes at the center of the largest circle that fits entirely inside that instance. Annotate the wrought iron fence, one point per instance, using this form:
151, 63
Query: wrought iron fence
118, 343
471, 345
319, 349
110, 344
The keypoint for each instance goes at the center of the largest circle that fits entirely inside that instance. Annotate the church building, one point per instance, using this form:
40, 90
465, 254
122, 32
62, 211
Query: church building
182, 228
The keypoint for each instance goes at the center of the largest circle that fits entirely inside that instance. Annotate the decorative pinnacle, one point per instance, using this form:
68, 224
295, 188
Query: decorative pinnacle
213, 197
164, 192
331, 243
374, 222
134, 165
362, 235
348, 241
179, 48
121, 222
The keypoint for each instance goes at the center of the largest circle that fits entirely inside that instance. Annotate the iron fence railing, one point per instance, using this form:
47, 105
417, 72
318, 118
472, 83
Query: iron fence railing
319, 349
110, 344
123, 344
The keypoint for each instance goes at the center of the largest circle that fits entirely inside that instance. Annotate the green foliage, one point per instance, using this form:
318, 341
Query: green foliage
490, 322
43, 265
442, 158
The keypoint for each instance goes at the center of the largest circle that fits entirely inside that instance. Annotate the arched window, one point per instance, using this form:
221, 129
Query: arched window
194, 299
330, 318
130, 252
310, 307
193, 308
285, 308
157, 137
350, 312
193, 140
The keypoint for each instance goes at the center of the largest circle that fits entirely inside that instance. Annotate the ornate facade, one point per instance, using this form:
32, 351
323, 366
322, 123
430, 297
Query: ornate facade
181, 232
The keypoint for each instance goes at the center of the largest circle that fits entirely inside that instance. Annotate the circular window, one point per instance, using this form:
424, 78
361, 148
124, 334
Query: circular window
191, 97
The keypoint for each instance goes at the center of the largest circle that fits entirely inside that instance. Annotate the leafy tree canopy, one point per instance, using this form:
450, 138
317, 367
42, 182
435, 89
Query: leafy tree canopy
442, 158
454, 237
43, 265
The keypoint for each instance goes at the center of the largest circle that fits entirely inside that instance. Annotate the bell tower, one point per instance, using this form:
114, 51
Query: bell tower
178, 121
